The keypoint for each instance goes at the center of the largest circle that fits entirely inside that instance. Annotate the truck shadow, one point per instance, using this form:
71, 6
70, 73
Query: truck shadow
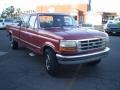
35, 65
77, 71
65, 71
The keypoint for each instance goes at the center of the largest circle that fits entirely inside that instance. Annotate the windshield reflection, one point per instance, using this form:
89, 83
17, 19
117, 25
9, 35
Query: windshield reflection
56, 21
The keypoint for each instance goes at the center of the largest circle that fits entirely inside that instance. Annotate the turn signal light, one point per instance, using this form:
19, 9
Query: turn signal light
70, 49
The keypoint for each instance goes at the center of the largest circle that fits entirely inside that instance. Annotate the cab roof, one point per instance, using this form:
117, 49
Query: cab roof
48, 14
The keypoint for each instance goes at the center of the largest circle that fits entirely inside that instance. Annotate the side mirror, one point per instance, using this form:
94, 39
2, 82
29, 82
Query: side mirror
20, 23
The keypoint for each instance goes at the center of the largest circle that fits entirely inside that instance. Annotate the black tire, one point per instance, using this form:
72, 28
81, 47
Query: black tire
93, 63
14, 44
108, 32
51, 63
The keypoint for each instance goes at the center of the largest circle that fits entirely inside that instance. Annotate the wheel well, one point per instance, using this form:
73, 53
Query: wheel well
10, 36
47, 47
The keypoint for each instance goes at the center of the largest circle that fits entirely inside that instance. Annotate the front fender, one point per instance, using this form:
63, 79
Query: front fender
49, 45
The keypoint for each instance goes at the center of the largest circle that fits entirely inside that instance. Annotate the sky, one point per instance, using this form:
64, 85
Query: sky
97, 5
106, 5
30, 4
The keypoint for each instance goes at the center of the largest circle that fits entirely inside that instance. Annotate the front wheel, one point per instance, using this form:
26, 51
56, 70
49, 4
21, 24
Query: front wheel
108, 32
51, 63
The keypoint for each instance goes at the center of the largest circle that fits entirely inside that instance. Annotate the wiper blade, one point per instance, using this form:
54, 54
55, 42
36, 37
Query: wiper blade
69, 26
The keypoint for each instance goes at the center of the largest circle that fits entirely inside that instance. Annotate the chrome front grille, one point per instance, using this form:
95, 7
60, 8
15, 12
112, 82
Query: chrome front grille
91, 44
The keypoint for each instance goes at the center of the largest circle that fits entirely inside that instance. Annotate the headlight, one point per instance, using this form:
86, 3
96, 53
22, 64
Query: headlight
68, 43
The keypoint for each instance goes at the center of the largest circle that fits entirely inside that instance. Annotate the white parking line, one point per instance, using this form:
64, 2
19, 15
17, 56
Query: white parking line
31, 54
3, 53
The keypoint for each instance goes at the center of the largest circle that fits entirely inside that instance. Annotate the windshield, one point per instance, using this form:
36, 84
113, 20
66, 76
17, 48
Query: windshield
86, 25
56, 21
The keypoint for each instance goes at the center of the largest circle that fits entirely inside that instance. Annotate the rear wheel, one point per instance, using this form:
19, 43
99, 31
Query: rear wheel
14, 44
93, 63
51, 63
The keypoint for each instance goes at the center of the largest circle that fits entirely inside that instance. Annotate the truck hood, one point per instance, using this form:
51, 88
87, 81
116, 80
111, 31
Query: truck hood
76, 33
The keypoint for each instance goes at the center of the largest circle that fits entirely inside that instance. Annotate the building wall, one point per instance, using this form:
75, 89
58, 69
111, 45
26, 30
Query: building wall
76, 10
93, 18
62, 8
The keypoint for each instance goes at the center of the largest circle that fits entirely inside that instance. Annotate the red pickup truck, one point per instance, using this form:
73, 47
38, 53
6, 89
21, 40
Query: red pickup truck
57, 37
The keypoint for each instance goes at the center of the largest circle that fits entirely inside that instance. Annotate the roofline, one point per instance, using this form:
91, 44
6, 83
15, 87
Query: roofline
48, 14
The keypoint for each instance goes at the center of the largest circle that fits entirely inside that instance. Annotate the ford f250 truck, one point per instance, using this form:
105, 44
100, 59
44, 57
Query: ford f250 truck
57, 37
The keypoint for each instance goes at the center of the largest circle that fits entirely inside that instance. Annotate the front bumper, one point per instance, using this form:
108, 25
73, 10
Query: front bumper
78, 59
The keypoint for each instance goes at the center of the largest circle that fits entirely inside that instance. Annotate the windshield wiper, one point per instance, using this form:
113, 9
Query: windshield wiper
69, 25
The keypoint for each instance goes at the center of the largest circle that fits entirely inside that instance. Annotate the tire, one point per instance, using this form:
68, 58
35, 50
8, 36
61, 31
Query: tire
93, 63
14, 44
108, 32
51, 63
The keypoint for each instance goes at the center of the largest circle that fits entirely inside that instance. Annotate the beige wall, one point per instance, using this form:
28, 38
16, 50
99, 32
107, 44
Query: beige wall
62, 8
93, 18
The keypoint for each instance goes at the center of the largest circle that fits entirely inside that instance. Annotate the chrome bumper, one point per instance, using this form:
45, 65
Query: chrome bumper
78, 59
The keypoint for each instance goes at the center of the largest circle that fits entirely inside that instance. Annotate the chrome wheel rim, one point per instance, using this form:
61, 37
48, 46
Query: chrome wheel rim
47, 62
11, 44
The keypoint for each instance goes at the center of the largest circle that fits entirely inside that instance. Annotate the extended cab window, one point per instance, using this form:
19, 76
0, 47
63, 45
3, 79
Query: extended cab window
25, 19
33, 22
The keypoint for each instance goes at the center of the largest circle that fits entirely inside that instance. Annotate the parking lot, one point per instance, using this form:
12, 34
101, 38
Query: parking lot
20, 71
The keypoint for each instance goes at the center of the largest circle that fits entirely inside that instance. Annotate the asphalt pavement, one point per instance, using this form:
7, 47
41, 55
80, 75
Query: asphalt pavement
20, 71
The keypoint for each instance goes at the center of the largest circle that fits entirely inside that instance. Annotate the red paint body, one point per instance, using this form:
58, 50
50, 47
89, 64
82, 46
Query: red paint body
39, 38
